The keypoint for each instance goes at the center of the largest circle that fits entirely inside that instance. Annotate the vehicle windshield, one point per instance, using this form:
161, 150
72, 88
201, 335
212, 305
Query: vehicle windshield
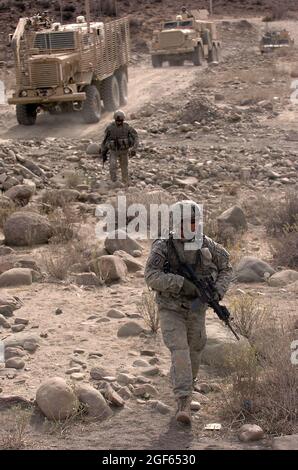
55, 40
178, 24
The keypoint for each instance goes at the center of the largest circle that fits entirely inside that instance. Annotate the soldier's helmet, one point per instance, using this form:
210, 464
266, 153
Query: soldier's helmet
119, 115
183, 9
178, 18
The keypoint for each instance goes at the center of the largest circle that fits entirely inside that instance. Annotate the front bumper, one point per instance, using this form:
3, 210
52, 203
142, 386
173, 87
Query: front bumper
47, 99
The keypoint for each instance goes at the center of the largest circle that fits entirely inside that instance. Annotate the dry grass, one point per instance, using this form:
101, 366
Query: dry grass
6, 210
62, 428
283, 215
285, 248
262, 382
59, 259
148, 310
66, 222
74, 179
249, 316
17, 425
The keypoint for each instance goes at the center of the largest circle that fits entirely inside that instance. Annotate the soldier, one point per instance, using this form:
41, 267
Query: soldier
120, 139
185, 14
182, 316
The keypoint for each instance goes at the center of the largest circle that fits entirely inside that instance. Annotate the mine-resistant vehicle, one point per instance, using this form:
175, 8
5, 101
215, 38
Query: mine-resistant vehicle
72, 67
193, 39
274, 40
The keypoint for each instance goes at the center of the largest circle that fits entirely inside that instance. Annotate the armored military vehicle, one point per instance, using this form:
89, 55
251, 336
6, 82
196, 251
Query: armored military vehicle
275, 40
193, 39
72, 67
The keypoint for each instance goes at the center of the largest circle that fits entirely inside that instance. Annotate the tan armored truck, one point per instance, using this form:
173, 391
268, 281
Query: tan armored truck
275, 40
193, 39
73, 67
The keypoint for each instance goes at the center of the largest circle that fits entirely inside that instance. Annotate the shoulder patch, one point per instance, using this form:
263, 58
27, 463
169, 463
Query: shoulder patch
157, 260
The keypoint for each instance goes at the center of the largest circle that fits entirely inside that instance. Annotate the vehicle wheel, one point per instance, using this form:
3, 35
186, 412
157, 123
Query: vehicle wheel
156, 61
26, 114
92, 105
111, 93
213, 54
198, 56
123, 87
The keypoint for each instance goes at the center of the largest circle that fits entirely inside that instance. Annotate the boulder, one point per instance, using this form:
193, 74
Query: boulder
120, 240
283, 278
26, 228
16, 277
145, 390
15, 363
56, 399
250, 432
130, 328
131, 263
93, 149
98, 373
112, 268
3, 322
20, 194
28, 341
219, 341
232, 217
250, 269
94, 401
114, 313
8, 304
86, 279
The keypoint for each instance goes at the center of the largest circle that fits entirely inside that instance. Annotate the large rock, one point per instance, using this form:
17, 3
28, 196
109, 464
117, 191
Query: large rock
232, 217
86, 279
220, 340
94, 401
250, 432
16, 277
120, 240
283, 278
56, 399
8, 304
93, 149
130, 328
250, 269
20, 194
132, 264
28, 341
285, 442
26, 228
112, 268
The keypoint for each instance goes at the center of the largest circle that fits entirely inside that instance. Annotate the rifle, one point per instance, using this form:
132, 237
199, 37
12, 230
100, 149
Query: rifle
206, 290
104, 156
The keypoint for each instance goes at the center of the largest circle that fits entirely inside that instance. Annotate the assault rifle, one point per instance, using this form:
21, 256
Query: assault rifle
206, 291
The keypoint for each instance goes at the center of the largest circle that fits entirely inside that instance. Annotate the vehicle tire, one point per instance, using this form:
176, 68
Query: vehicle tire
26, 114
91, 106
111, 93
123, 87
156, 61
198, 55
213, 54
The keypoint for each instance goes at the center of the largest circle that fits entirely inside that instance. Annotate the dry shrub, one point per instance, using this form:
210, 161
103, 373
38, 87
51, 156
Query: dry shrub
17, 424
59, 259
66, 222
6, 210
249, 316
285, 248
148, 310
74, 179
262, 381
283, 215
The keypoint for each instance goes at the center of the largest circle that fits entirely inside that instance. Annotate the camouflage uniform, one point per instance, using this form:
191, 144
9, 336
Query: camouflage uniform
118, 140
183, 320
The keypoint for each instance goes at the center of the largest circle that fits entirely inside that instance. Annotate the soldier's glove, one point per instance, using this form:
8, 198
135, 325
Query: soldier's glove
133, 152
189, 290
218, 295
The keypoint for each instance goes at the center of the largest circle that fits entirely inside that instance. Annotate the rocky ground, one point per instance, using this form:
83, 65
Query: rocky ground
224, 135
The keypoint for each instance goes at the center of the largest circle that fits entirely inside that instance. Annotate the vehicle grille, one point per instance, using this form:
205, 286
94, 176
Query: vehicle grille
170, 39
44, 74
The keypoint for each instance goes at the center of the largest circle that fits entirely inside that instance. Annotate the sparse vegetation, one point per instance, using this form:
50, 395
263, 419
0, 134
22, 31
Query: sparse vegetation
148, 310
14, 438
59, 259
5, 211
283, 215
262, 381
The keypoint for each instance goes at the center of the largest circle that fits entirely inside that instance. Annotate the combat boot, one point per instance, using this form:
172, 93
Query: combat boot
183, 414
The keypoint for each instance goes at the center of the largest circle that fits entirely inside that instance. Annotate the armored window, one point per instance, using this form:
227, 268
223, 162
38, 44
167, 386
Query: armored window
55, 41
170, 25
186, 24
